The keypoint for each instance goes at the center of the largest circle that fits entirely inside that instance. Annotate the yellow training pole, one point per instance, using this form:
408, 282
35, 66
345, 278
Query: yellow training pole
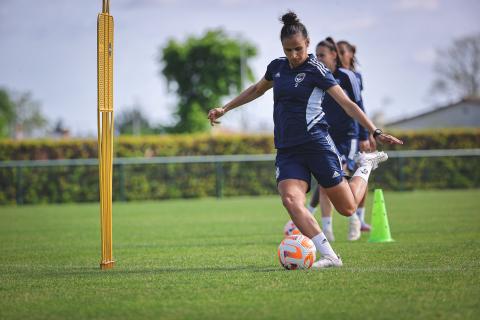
105, 129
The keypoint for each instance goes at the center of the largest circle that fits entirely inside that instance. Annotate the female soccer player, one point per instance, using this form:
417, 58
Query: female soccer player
344, 131
347, 55
301, 137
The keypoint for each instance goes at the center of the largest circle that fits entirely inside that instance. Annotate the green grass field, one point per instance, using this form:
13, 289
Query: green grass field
216, 259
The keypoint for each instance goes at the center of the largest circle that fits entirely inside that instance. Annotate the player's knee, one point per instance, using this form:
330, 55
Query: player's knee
290, 201
347, 210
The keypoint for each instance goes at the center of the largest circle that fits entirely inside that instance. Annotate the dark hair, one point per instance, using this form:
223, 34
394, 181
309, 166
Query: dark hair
292, 26
353, 50
330, 44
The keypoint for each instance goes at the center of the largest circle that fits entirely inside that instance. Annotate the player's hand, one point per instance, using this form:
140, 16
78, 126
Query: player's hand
364, 146
214, 114
387, 138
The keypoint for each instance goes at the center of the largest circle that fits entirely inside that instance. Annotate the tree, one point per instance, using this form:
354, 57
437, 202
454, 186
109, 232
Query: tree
20, 115
203, 70
28, 117
458, 69
133, 122
7, 113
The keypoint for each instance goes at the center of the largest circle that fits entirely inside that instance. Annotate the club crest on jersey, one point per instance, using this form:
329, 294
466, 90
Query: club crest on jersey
299, 78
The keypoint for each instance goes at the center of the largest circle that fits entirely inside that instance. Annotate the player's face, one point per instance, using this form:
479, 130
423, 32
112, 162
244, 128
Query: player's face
345, 55
295, 48
327, 57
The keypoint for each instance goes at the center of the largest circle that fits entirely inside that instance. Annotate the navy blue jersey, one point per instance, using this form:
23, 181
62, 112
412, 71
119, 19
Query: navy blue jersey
362, 132
297, 100
359, 78
342, 126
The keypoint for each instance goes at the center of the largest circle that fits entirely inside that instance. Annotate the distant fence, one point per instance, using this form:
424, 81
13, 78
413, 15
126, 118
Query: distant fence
76, 180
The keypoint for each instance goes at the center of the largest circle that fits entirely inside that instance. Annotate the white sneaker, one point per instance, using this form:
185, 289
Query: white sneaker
329, 235
354, 232
328, 262
365, 227
371, 158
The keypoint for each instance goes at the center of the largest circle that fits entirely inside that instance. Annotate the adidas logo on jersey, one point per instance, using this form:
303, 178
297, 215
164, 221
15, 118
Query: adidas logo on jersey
336, 174
277, 75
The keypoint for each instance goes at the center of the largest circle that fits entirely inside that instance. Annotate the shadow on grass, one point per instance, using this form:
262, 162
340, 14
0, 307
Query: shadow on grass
79, 271
174, 245
201, 269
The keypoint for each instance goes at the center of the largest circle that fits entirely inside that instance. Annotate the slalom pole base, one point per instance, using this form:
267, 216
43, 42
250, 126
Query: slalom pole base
106, 265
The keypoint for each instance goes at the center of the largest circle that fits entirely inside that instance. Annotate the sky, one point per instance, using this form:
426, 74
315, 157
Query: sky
49, 48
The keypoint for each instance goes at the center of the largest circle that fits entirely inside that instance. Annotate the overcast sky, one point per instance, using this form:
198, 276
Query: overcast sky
49, 48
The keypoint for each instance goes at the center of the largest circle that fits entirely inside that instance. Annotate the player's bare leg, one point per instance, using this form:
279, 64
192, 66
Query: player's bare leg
293, 194
365, 227
346, 196
326, 207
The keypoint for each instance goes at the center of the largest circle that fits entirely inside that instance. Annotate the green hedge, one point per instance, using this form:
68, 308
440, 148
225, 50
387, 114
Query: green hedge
137, 182
166, 145
185, 145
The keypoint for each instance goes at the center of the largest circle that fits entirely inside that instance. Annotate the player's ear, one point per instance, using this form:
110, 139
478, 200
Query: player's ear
307, 42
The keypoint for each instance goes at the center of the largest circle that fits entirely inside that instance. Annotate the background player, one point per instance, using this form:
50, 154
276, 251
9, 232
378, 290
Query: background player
343, 129
367, 143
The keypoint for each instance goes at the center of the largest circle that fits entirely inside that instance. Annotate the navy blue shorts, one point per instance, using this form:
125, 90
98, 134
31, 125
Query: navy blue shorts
318, 158
347, 149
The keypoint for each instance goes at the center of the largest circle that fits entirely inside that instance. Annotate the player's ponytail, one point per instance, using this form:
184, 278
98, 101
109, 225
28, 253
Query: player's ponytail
292, 26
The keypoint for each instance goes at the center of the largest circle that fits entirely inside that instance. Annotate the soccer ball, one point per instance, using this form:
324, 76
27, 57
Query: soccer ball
296, 252
290, 229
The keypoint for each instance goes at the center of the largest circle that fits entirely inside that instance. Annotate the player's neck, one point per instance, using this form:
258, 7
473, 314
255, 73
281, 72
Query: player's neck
298, 65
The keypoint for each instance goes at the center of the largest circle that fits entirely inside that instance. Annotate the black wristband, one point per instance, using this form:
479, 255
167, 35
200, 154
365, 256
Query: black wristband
377, 132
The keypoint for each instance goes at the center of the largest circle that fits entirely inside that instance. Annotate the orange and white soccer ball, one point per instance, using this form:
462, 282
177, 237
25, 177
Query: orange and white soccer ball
296, 252
290, 229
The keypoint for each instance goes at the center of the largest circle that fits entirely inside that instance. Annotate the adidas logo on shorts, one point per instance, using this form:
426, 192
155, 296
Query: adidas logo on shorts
336, 174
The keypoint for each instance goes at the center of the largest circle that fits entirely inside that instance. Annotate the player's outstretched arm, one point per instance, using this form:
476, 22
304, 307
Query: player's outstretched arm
355, 112
249, 94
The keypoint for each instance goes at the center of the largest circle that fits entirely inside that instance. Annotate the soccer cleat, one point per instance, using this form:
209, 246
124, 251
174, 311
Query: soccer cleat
328, 262
371, 158
354, 228
365, 227
329, 235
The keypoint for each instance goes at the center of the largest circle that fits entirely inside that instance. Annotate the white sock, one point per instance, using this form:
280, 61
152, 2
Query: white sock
363, 172
353, 217
322, 245
361, 214
327, 223
311, 209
